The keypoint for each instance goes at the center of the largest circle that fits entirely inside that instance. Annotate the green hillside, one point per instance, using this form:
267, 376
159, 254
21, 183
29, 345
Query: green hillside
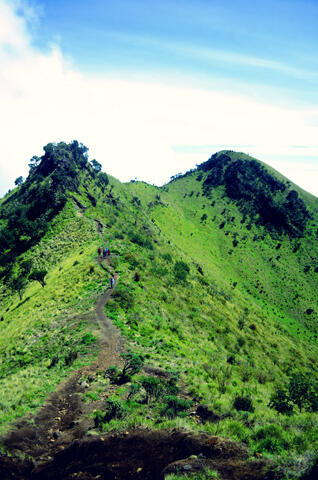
216, 295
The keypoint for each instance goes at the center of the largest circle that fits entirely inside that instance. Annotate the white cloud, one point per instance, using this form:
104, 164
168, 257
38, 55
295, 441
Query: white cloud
131, 127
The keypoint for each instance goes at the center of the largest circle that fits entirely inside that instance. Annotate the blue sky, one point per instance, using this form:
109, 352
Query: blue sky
272, 43
164, 83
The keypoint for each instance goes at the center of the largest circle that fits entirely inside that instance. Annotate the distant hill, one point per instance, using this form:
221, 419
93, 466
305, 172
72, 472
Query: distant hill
217, 289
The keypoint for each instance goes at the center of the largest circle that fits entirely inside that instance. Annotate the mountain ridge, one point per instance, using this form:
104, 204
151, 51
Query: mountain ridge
225, 301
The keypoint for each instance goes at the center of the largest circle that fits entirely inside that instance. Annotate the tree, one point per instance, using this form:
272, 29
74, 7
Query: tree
18, 284
96, 165
38, 275
281, 402
34, 162
18, 181
133, 363
299, 388
301, 391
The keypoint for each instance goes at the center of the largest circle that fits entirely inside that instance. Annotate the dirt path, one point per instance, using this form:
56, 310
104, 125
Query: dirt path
65, 417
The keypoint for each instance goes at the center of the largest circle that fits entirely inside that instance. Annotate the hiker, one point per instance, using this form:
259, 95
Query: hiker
108, 253
100, 251
112, 282
104, 252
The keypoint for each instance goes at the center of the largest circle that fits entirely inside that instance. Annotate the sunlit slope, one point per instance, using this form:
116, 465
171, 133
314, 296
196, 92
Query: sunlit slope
278, 271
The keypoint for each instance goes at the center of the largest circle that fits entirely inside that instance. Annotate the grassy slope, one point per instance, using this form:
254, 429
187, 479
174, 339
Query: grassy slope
192, 327
49, 321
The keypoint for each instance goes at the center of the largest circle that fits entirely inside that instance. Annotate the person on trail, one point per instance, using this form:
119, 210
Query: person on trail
112, 282
104, 252
100, 251
108, 253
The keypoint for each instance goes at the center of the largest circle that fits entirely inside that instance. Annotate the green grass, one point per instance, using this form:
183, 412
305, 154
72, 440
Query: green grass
236, 324
205, 475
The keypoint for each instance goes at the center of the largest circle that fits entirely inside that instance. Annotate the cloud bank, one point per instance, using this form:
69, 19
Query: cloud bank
134, 127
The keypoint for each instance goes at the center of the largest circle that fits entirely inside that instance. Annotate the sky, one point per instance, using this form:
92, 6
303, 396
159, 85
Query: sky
155, 88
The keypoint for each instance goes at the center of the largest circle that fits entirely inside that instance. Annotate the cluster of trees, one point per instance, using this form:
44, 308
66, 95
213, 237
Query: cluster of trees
301, 392
25, 215
258, 194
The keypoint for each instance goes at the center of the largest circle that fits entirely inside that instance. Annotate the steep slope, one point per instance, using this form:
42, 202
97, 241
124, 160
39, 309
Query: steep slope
211, 292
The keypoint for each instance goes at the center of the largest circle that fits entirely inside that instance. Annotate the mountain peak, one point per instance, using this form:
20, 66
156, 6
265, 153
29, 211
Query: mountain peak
258, 191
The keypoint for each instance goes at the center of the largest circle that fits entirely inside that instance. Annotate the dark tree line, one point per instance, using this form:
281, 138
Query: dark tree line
257, 193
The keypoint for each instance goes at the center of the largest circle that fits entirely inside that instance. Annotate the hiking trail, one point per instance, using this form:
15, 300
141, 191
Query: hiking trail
55, 443
64, 416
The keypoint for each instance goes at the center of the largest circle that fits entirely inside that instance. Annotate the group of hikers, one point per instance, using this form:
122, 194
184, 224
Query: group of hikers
104, 252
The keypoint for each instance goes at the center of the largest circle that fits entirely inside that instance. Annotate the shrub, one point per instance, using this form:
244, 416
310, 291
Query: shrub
133, 389
88, 338
167, 257
114, 409
175, 406
152, 386
281, 402
241, 323
241, 341
123, 296
112, 373
243, 403
140, 240
71, 357
181, 271
98, 417
133, 363
270, 438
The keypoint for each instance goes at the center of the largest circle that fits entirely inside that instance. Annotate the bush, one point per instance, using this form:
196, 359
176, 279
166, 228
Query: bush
167, 257
88, 338
114, 409
71, 357
241, 341
270, 438
140, 240
112, 373
175, 406
281, 402
181, 271
301, 391
152, 386
123, 296
243, 403
133, 363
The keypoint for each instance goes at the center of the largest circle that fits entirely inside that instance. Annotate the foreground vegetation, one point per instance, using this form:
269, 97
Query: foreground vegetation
216, 301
